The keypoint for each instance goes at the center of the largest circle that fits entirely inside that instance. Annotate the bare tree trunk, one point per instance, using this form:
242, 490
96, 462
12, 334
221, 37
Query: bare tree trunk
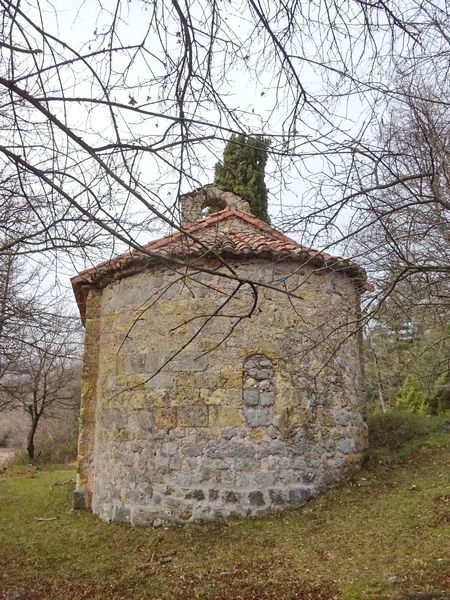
380, 394
5, 291
30, 439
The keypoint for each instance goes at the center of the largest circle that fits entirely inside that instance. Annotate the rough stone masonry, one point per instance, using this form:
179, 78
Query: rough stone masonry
189, 412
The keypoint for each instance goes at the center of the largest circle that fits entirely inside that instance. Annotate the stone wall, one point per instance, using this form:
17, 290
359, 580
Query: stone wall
248, 418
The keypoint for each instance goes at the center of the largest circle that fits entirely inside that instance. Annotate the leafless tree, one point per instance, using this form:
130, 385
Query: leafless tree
44, 377
402, 232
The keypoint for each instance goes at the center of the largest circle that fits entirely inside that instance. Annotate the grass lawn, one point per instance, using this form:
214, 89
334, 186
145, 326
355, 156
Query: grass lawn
393, 520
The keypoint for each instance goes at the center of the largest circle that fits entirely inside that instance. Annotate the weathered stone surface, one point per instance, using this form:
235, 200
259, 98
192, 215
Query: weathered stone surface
256, 498
242, 430
277, 497
192, 416
267, 398
257, 417
298, 496
122, 514
213, 494
231, 497
251, 397
195, 495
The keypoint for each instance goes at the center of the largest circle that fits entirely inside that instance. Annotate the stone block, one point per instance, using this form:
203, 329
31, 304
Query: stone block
220, 465
165, 418
251, 397
224, 416
345, 446
309, 477
227, 478
192, 448
115, 419
257, 417
206, 395
185, 396
257, 434
188, 479
298, 496
195, 495
175, 463
215, 449
108, 419
343, 417
265, 363
247, 464
195, 415
231, 497
326, 418
169, 449
277, 497
250, 383
237, 450
267, 398
231, 378
230, 432
260, 374
256, 498
214, 397
287, 477
266, 385
161, 462
213, 495
189, 362
145, 420
299, 463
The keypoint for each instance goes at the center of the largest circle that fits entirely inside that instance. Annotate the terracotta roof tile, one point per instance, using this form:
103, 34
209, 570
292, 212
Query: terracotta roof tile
209, 239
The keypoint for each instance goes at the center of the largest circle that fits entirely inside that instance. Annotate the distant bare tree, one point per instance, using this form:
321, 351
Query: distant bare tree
43, 378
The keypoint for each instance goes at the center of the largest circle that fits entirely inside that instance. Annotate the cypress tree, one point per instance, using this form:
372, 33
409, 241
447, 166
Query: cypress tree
242, 171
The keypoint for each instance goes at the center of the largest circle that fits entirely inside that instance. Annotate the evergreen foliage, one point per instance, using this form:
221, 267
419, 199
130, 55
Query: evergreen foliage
410, 372
242, 171
411, 398
439, 402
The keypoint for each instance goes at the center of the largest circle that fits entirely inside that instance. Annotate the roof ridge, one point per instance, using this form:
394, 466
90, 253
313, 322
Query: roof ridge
199, 225
226, 213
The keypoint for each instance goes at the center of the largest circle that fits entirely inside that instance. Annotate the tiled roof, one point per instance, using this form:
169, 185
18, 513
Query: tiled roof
216, 235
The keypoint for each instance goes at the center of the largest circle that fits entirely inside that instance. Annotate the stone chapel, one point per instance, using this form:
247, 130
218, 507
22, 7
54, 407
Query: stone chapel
222, 371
